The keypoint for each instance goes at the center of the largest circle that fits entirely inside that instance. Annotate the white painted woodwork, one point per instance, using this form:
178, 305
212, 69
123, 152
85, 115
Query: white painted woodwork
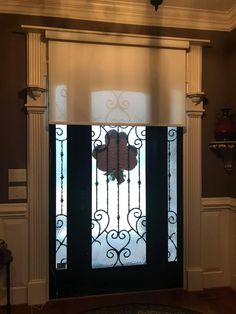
192, 171
192, 204
194, 70
38, 206
218, 235
37, 187
37, 170
115, 38
14, 231
34, 60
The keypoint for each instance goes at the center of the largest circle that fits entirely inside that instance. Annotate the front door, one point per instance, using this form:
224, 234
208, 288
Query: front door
116, 209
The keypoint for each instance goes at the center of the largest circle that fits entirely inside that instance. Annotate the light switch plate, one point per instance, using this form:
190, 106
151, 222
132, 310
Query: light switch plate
17, 192
16, 175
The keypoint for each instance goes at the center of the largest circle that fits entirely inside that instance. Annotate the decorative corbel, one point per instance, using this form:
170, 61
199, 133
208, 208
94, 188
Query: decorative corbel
35, 92
196, 98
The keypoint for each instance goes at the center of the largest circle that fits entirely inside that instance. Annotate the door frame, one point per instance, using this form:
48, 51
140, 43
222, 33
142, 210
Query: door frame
38, 161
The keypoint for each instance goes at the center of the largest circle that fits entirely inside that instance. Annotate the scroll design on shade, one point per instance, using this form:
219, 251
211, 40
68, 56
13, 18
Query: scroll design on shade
117, 105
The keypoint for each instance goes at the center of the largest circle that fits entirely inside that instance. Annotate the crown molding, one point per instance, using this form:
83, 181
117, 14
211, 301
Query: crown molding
232, 18
195, 19
127, 12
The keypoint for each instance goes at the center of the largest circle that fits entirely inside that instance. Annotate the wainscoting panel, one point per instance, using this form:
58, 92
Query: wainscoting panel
233, 248
217, 235
14, 231
211, 236
218, 246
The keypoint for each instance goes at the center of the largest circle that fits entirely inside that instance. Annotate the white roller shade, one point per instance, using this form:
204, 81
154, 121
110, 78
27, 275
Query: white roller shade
113, 84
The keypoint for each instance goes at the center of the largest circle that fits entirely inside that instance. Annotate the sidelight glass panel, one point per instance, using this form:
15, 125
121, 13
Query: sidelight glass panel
61, 196
118, 196
172, 193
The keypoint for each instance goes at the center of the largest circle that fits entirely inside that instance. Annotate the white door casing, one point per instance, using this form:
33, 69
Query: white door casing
38, 167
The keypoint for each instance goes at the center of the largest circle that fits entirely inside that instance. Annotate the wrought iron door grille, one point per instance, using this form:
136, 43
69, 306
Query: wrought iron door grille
118, 196
172, 193
61, 196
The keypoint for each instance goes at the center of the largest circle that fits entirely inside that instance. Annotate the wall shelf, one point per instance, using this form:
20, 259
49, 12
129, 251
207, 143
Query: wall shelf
226, 150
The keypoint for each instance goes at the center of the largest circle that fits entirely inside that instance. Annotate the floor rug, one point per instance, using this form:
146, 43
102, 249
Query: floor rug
140, 309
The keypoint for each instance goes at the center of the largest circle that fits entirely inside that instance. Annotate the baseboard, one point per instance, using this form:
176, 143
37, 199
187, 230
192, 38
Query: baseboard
214, 279
220, 214
194, 279
233, 282
37, 292
18, 295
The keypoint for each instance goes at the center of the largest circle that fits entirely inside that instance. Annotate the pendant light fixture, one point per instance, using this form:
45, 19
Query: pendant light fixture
156, 3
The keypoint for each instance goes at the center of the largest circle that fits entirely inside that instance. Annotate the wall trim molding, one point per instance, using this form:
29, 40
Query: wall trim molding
37, 291
126, 12
117, 38
18, 295
13, 210
218, 241
14, 230
195, 278
218, 203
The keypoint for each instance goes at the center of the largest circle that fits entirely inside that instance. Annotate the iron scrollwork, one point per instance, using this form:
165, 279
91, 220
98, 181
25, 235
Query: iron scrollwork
61, 216
117, 150
172, 194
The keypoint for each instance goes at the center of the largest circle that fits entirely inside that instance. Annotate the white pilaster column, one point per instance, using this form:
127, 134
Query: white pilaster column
193, 171
37, 171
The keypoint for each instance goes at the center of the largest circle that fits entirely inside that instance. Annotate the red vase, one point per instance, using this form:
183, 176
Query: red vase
226, 128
